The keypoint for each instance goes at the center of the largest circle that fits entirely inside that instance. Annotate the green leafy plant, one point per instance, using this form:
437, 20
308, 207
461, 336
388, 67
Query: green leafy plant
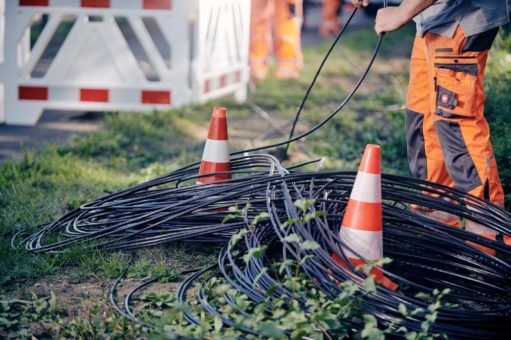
19, 317
99, 323
304, 311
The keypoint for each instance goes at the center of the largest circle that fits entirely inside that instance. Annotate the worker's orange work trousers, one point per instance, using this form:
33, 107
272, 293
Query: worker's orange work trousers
447, 134
331, 23
276, 25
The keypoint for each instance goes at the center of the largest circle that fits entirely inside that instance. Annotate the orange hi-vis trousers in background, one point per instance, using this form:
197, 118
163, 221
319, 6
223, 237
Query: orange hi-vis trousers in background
276, 26
331, 23
447, 134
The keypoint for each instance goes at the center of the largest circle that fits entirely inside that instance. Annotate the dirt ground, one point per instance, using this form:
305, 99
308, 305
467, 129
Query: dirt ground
77, 299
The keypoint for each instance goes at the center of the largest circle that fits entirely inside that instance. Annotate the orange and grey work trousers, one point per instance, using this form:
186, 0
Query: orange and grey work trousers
284, 19
447, 134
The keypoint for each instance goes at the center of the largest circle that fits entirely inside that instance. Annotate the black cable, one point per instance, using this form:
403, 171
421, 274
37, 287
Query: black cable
333, 113
440, 251
316, 75
113, 289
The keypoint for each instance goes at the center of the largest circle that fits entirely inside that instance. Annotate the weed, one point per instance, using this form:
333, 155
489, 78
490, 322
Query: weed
24, 318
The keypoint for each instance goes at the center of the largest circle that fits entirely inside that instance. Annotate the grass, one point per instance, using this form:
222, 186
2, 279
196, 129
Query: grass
132, 148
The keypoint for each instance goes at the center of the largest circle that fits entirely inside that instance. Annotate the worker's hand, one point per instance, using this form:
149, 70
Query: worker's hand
390, 19
360, 3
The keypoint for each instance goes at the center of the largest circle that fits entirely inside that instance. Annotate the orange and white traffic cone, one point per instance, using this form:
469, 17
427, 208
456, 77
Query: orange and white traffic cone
216, 151
362, 225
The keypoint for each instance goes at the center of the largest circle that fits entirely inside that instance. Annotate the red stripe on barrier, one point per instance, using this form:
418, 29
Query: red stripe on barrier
237, 76
363, 216
157, 4
156, 97
223, 80
94, 95
34, 2
209, 167
95, 3
32, 93
207, 86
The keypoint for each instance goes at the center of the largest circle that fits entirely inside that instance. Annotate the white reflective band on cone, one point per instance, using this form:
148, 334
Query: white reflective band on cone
367, 188
216, 151
368, 244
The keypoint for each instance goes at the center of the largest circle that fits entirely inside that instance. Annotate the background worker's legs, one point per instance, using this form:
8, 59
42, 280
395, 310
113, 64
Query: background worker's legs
288, 17
261, 37
331, 23
424, 150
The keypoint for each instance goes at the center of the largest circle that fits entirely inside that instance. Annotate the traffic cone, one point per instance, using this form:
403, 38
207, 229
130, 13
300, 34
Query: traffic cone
362, 224
216, 151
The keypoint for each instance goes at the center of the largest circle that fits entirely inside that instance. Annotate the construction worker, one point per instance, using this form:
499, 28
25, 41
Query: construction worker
448, 137
331, 23
286, 18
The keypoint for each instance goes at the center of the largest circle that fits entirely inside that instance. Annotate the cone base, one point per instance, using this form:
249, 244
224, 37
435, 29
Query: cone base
376, 272
209, 168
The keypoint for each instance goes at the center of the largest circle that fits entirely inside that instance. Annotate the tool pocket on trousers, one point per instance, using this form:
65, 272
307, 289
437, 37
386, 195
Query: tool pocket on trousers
456, 91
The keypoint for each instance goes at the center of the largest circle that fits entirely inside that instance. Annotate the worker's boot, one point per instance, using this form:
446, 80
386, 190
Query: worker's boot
483, 231
437, 215
258, 72
287, 70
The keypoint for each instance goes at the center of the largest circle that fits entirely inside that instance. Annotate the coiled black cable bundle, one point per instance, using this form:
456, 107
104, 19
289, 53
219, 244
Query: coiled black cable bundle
160, 211
426, 255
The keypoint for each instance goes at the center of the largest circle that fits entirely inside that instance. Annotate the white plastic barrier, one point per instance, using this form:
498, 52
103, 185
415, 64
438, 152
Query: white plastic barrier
109, 55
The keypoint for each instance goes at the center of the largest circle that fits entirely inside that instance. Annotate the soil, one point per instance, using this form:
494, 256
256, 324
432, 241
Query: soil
77, 299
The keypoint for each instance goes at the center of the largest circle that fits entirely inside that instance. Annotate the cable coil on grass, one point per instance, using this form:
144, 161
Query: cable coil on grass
426, 254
